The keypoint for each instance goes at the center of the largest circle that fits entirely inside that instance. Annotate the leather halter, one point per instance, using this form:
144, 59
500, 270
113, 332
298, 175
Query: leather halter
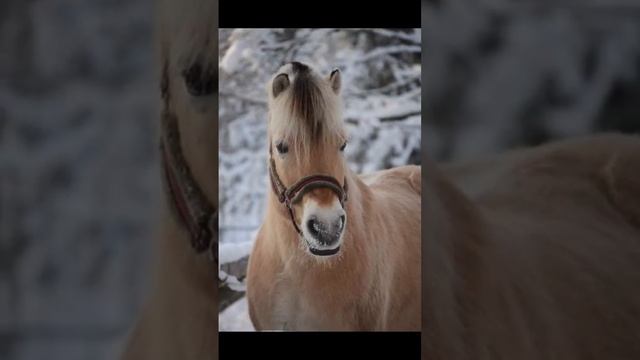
189, 203
294, 193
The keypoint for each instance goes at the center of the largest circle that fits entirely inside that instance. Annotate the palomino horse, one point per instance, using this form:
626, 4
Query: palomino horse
180, 317
534, 254
335, 251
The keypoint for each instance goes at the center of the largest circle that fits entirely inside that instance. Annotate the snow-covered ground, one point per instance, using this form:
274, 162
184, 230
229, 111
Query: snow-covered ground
235, 317
382, 105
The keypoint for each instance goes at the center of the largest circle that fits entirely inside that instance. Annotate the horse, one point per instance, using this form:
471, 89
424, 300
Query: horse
335, 251
179, 319
534, 254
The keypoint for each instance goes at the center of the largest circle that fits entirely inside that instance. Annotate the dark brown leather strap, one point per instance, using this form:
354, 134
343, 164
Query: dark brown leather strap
193, 209
293, 194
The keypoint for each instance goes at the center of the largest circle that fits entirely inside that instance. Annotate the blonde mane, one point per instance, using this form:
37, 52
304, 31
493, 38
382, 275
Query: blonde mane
308, 113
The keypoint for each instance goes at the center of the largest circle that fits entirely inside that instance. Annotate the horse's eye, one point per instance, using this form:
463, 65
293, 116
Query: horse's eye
343, 146
282, 147
200, 81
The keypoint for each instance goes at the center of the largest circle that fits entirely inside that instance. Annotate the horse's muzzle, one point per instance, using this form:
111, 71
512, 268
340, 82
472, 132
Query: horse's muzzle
325, 234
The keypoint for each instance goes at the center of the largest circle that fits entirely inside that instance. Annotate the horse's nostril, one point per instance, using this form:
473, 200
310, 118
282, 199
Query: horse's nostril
342, 221
314, 226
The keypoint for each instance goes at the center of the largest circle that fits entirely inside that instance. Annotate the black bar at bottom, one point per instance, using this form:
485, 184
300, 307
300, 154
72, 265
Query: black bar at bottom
320, 345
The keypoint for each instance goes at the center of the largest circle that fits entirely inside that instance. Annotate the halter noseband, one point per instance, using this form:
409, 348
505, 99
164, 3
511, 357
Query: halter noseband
294, 193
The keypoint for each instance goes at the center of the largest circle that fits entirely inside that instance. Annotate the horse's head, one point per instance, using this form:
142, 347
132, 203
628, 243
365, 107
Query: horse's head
306, 143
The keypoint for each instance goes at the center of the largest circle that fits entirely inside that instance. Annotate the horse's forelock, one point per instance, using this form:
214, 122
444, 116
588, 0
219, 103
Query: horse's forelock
307, 102
308, 113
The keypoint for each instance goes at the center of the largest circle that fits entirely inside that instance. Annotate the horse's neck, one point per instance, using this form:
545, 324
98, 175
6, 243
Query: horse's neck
450, 252
180, 318
188, 270
446, 207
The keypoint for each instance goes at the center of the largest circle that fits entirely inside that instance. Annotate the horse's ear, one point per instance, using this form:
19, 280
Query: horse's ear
280, 83
335, 80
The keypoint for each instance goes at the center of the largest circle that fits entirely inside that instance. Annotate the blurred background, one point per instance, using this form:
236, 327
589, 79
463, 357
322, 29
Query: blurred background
381, 88
79, 177
501, 74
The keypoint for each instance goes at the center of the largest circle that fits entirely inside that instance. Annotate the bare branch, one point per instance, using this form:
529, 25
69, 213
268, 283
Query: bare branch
387, 50
237, 269
411, 37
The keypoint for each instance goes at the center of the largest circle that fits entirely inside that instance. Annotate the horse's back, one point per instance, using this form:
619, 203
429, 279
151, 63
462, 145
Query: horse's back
402, 178
578, 170
560, 264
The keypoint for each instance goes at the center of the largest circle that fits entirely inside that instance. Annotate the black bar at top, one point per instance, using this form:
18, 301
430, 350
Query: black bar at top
319, 14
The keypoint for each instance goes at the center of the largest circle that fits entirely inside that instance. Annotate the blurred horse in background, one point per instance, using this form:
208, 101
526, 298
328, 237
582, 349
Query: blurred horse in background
180, 318
534, 254
335, 251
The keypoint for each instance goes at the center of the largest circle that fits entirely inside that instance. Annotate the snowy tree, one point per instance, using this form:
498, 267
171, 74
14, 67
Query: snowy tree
510, 73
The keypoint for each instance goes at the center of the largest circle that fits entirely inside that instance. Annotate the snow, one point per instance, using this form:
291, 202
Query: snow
236, 317
232, 251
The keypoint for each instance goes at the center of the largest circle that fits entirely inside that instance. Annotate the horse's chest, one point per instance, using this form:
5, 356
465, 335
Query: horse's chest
295, 310
292, 311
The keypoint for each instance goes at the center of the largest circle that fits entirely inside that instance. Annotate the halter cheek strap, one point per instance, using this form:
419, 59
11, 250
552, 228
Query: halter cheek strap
293, 194
187, 200
195, 212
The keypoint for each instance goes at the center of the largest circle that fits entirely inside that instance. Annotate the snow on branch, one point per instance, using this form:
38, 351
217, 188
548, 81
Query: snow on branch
396, 49
414, 36
246, 98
